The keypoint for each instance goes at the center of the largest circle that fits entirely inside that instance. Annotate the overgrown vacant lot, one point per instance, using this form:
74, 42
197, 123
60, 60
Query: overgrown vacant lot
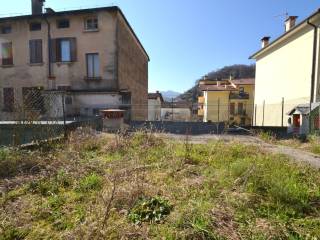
310, 144
144, 187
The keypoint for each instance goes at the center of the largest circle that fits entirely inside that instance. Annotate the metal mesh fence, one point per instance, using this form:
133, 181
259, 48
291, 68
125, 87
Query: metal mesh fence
36, 115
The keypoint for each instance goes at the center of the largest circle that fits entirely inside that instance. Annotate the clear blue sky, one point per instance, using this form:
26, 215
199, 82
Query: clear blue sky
188, 38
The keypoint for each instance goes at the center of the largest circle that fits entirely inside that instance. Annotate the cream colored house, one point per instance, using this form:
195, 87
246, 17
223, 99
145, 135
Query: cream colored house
229, 101
287, 71
155, 101
92, 54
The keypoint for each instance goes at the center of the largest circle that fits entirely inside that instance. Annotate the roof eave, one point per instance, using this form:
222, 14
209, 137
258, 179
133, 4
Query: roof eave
78, 11
256, 54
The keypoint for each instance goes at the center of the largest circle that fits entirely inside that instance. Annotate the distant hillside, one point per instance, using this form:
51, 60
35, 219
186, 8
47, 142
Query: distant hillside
168, 95
236, 71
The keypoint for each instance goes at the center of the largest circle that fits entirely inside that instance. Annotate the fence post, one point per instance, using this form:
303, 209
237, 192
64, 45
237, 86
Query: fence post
310, 122
255, 115
264, 104
64, 116
171, 109
318, 124
282, 112
218, 110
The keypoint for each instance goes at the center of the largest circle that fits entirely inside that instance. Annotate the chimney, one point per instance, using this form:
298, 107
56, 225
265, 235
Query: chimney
265, 42
49, 10
290, 23
37, 6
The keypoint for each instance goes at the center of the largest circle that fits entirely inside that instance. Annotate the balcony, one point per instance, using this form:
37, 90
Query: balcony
200, 100
240, 95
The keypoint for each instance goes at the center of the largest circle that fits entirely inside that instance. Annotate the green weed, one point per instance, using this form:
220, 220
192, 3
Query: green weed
152, 210
92, 182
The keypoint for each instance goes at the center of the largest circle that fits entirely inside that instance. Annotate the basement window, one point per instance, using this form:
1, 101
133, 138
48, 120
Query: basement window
8, 99
33, 99
35, 26
6, 29
63, 23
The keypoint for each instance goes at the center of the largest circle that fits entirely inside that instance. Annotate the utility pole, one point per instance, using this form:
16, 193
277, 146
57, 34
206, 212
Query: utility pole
172, 109
218, 110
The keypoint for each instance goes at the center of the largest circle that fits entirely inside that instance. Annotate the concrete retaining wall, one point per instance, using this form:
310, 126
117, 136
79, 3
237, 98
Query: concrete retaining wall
179, 127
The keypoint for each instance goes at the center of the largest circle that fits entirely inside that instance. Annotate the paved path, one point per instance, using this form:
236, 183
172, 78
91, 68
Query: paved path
295, 154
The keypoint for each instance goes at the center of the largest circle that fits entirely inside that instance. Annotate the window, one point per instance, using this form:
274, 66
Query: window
6, 29
33, 99
8, 99
63, 23
232, 108
243, 121
68, 100
241, 89
64, 88
91, 24
35, 47
240, 108
93, 65
63, 50
6, 54
35, 26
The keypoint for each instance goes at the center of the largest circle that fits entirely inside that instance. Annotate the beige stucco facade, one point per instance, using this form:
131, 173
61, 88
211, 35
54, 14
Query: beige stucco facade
283, 73
217, 101
123, 63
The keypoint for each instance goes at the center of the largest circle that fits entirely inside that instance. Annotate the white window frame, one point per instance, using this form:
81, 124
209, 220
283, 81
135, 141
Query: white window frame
93, 25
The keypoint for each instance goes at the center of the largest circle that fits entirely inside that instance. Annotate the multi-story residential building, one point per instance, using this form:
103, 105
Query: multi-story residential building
155, 101
287, 71
92, 54
229, 101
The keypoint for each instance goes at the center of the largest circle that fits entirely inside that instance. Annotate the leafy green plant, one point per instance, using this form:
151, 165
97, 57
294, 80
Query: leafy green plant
152, 210
44, 187
90, 182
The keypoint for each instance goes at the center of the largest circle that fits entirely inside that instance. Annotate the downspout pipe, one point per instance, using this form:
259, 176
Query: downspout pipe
314, 59
49, 50
313, 73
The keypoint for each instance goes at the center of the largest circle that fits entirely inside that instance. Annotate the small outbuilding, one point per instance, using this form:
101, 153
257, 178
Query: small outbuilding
300, 118
112, 119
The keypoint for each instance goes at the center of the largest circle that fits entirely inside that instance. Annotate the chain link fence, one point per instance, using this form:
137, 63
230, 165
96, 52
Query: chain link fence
37, 115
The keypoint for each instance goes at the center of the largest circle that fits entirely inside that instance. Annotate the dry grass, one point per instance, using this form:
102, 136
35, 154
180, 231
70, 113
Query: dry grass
86, 188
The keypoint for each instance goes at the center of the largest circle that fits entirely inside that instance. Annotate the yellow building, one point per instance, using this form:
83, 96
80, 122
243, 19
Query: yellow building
287, 70
229, 101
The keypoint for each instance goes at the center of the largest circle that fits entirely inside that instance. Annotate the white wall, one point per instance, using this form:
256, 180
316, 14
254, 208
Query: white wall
154, 109
284, 71
179, 114
86, 102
